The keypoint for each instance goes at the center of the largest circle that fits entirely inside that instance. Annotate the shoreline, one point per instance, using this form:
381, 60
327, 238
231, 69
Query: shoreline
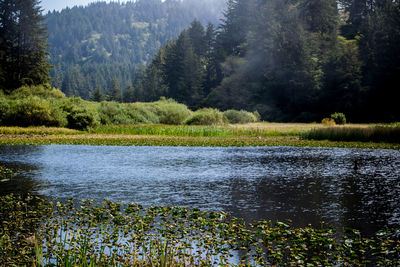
157, 140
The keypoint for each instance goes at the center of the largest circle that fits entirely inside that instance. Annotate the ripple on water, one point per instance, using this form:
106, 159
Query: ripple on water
307, 185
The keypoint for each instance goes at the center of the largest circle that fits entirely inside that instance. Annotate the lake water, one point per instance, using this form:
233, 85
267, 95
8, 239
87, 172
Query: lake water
355, 188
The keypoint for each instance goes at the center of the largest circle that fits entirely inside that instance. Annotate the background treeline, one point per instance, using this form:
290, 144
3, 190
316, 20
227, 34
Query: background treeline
293, 60
44, 106
94, 45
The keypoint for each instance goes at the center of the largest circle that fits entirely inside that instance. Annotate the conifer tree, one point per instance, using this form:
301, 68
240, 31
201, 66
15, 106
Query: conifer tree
23, 45
98, 95
116, 94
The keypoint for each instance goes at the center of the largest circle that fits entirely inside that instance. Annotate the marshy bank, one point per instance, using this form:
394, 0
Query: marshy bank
41, 233
252, 134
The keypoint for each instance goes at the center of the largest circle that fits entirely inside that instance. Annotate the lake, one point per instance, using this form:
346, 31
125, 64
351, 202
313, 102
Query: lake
358, 188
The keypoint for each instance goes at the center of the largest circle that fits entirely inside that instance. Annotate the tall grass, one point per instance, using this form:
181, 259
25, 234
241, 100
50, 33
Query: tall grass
196, 130
371, 134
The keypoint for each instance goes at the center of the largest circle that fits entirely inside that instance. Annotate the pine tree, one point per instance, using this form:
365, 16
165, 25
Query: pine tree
23, 46
116, 94
129, 94
98, 95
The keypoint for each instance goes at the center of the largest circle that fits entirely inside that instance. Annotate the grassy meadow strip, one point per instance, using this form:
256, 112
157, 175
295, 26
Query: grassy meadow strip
37, 232
37, 131
371, 134
142, 140
254, 129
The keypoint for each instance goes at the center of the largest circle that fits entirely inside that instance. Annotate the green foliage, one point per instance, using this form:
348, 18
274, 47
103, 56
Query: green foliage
42, 91
34, 111
112, 113
81, 118
328, 121
88, 50
140, 113
206, 116
242, 116
4, 108
171, 112
339, 118
23, 45
117, 234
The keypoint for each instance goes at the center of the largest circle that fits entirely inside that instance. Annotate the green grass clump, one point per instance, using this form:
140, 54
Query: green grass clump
369, 134
42, 233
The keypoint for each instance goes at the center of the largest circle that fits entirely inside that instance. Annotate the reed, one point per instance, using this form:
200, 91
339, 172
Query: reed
385, 134
255, 130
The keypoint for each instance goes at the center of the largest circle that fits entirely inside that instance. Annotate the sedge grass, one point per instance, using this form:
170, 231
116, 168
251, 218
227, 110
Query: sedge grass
371, 134
37, 131
254, 134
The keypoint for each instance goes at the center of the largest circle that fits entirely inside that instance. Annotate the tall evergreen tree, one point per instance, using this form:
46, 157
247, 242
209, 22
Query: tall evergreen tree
98, 95
23, 45
115, 91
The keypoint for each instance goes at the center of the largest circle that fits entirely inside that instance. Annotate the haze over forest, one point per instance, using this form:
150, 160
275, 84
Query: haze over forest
91, 45
295, 60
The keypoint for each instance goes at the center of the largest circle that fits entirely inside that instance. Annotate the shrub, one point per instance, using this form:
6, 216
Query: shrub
171, 112
328, 122
206, 116
34, 111
235, 116
112, 113
81, 118
140, 113
4, 107
42, 91
257, 115
339, 118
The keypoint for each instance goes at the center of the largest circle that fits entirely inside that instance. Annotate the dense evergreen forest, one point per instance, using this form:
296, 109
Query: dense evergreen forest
93, 48
294, 60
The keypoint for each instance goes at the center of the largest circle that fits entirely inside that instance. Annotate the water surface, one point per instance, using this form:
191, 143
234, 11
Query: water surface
357, 188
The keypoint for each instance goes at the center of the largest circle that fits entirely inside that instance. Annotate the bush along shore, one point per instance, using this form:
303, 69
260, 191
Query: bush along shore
41, 106
43, 233
39, 116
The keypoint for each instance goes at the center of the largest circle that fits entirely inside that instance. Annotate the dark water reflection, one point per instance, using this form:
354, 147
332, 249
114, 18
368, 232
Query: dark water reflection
307, 185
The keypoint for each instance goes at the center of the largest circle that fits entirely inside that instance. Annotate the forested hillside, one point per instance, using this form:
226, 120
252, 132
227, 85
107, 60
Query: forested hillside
103, 44
297, 60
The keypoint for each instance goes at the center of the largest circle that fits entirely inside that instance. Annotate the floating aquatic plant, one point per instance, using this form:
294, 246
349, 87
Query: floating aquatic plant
42, 233
5, 174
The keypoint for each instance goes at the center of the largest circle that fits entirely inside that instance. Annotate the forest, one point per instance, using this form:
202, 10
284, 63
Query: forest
289, 61
295, 60
91, 46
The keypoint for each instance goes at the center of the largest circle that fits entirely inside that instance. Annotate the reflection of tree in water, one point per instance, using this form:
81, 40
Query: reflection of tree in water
23, 181
371, 194
310, 189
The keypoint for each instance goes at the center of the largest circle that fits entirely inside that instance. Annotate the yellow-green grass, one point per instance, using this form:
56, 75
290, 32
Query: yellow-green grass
37, 131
